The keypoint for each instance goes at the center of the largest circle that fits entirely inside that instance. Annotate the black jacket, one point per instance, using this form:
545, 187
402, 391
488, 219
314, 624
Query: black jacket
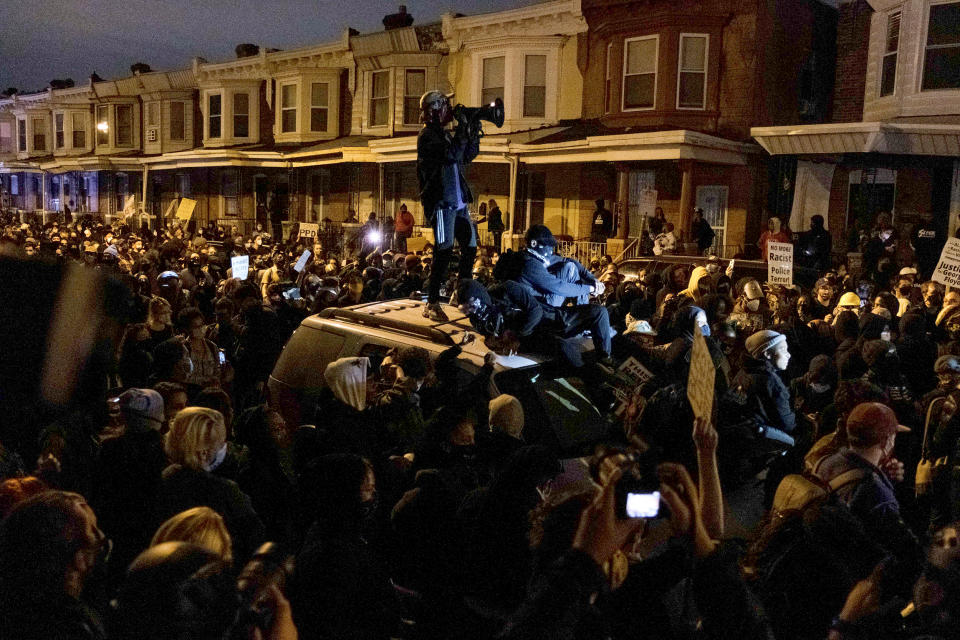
436, 148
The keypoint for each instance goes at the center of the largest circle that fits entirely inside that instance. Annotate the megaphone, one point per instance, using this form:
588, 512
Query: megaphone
492, 113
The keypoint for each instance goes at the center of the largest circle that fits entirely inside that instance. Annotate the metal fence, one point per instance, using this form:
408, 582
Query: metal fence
581, 250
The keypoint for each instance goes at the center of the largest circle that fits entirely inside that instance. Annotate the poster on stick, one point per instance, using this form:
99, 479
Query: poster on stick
302, 262
185, 210
702, 376
780, 263
309, 229
947, 272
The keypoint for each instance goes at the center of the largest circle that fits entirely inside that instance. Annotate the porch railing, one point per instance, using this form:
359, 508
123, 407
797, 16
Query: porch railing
581, 250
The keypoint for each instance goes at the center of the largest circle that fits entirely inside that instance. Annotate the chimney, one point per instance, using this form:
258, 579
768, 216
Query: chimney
246, 50
397, 20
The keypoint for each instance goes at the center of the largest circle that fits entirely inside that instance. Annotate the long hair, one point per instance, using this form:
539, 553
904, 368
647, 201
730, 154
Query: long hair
193, 431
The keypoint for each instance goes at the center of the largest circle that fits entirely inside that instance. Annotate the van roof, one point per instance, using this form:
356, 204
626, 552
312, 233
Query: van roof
405, 316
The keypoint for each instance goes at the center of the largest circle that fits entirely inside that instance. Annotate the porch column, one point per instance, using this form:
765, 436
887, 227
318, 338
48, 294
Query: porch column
620, 207
381, 171
63, 202
43, 191
512, 200
686, 198
143, 196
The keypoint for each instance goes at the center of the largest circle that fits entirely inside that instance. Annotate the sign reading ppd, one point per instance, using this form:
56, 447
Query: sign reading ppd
948, 267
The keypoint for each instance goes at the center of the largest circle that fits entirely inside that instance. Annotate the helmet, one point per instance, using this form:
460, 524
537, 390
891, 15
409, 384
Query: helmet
541, 234
752, 290
433, 97
849, 299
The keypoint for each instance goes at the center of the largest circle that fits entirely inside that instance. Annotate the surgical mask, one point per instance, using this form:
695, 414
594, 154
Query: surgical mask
753, 305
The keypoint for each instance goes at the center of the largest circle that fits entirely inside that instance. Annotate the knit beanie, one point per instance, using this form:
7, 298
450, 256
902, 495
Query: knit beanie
762, 341
506, 415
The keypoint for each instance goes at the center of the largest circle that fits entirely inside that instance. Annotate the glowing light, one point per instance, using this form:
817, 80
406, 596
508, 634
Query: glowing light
373, 237
102, 126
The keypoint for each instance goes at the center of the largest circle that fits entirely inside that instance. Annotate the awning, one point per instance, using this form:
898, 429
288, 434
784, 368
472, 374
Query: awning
860, 137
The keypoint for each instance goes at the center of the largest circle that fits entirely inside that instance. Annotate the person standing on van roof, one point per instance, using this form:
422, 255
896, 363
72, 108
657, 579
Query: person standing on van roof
444, 192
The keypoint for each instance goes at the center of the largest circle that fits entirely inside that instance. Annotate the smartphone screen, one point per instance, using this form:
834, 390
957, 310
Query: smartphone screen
223, 357
643, 505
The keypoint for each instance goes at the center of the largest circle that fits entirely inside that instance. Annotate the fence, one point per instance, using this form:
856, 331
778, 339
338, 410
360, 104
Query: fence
581, 250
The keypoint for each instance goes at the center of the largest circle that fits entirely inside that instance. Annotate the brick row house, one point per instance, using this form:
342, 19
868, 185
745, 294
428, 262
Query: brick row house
640, 102
893, 138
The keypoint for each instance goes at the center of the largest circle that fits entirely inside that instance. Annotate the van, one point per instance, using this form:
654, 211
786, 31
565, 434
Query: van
558, 409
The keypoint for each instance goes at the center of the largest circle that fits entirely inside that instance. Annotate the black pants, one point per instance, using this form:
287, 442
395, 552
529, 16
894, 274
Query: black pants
450, 224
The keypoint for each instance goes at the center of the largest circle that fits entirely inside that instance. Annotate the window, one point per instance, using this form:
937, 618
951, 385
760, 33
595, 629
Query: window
15, 185
319, 105
379, 98
153, 114
39, 135
640, 72
608, 80
79, 131
888, 69
124, 125
241, 115
493, 83
5, 137
414, 86
692, 74
229, 189
288, 108
941, 62
214, 115
177, 128
58, 130
21, 135
103, 125
534, 86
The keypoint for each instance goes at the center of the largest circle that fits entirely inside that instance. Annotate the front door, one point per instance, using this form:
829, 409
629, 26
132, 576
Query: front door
713, 200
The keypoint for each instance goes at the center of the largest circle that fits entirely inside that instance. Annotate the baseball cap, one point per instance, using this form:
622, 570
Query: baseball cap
908, 271
870, 422
142, 408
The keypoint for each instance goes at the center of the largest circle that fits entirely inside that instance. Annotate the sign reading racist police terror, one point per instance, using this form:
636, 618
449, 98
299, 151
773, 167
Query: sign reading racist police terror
948, 267
780, 263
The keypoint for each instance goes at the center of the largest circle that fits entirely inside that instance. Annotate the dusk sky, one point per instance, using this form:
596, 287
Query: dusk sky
48, 39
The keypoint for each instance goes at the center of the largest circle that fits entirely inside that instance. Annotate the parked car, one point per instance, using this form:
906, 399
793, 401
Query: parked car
557, 406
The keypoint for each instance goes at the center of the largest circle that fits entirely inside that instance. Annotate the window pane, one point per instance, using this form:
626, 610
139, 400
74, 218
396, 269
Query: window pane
691, 90
103, 125
642, 56
124, 124
79, 131
319, 94
411, 110
535, 71
941, 68
534, 102
493, 72
693, 51
893, 32
288, 98
58, 130
241, 118
153, 113
318, 119
416, 83
216, 108
888, 75
215, 105
241, 104
288, 121
638, 91
379, 112
39, 135
177, 128
944, 24
381, 84
491, 94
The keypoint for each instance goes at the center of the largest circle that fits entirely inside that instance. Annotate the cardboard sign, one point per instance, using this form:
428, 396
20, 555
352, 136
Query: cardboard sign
647, 202
309, 229
948, 267
854, 262
185, 210
171, 209
302, 262
240, 266
701, 380
780, 263
632, 367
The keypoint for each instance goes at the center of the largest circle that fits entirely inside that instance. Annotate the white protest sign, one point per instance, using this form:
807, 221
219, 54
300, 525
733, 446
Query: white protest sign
647, 202
948, 267
309, 229
185, 210
780, 263
632, 367
302, 262
240, 266
854, 262
702, 375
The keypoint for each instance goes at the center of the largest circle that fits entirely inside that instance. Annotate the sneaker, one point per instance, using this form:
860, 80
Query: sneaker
435, 312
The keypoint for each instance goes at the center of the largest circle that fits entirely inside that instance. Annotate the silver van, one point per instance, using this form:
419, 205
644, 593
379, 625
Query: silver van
557, 406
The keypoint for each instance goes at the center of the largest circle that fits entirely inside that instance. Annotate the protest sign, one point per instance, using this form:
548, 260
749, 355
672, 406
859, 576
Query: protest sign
240, 266
309, 229
854, 262
632, 367
948, 267
302, 262
780, 263
185, 210
701, 380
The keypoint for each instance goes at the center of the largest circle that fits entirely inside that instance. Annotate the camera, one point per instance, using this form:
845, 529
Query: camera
269, 566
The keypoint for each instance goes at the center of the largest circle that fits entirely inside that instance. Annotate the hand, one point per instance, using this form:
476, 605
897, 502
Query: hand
598, 288
282, 627
864, 598
490, 358
704, 435
680, 494
894, 469
600, 533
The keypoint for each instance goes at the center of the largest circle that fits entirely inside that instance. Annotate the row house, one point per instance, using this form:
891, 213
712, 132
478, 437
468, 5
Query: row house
894, 136
640, 102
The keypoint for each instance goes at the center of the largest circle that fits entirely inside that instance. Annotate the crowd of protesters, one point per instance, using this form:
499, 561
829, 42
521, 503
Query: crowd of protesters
416, 506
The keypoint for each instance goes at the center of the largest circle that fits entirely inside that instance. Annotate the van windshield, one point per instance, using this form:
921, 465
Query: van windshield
557, 409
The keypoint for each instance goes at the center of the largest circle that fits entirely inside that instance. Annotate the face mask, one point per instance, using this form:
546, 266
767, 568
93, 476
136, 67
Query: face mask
753, 305
217, 459
818, 387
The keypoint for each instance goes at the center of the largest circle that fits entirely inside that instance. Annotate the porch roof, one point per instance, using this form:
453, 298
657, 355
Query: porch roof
861, 137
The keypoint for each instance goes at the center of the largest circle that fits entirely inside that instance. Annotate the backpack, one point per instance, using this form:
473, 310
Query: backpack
797, 492
664, 423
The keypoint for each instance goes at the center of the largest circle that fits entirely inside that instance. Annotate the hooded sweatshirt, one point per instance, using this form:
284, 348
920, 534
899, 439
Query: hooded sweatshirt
347, 379
693, 290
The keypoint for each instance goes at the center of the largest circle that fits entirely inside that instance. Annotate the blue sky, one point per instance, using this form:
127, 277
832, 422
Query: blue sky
47, 39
